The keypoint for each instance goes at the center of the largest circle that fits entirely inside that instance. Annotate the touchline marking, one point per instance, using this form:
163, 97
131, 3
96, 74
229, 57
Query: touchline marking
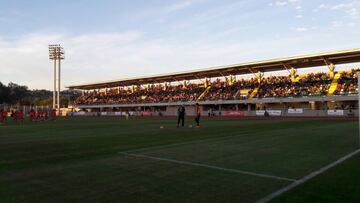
306, 178
208, 166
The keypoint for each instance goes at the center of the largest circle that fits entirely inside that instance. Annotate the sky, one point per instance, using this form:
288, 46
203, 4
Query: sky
114, 39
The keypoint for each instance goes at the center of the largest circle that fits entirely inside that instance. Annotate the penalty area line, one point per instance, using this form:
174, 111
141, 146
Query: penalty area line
307, 177
209, 166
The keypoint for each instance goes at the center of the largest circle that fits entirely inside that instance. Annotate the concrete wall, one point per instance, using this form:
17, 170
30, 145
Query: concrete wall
312, 106
191, 112
268, 101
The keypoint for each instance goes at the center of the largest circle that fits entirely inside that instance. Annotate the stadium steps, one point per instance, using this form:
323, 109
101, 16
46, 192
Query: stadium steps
203, 94
334, 84
254, 93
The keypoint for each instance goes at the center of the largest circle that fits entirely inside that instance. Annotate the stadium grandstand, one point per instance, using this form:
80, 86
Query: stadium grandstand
293, 86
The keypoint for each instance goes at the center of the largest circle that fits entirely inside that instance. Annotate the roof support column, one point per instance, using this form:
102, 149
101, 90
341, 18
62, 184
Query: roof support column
230, 80
332, 70
206, 83
293, 74
184, 84
259, 76
330, 66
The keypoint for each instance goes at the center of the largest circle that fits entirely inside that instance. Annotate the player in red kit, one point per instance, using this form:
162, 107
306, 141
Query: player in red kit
39, 115
19, 115
32, 115
4, 116
46, 115
53, 115
197, 115
1, 116
14, 115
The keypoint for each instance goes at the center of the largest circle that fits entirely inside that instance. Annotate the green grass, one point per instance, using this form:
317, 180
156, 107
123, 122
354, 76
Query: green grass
340, 184
78, 160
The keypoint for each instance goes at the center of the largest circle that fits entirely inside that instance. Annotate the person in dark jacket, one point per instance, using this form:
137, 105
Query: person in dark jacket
181, 116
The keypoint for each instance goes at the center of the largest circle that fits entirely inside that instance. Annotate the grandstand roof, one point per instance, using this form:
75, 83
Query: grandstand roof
303, 61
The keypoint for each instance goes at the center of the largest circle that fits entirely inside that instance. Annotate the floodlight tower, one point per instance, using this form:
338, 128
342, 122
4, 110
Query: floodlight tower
52, 56
56, 53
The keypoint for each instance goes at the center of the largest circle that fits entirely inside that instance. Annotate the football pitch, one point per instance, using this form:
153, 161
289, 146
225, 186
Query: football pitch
99, 159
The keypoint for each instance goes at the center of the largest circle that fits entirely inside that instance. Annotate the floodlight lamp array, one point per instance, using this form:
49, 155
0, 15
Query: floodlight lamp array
56, 52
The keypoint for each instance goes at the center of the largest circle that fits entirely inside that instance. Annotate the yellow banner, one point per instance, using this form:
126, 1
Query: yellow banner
244, 92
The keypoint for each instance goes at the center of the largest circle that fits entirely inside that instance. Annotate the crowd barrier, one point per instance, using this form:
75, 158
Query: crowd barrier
234, 114
293, 112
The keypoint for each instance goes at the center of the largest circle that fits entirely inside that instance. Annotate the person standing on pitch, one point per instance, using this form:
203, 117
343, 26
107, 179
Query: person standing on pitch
181, 116
197, 115
53, 115
1, 116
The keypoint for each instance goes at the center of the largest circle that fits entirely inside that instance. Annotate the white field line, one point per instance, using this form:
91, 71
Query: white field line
209, 166
306, 178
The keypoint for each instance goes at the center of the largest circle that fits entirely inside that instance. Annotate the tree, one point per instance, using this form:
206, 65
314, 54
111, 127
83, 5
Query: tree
4, 94
17, 93
21, 95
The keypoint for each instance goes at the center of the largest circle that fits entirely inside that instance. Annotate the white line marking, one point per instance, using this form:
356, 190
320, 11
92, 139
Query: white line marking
209, 166
306, 178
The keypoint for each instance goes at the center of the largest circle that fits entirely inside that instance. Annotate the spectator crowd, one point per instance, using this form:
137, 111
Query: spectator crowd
313, 84
347, 83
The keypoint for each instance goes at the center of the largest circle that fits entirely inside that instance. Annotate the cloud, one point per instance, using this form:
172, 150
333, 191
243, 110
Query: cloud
301, 29
279, 3
284, 3
26, 59
179, 6
321, 6
340, 6
353, 12
107, 56
294, 4
337, 24
304, 29
211, 16
351, 9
